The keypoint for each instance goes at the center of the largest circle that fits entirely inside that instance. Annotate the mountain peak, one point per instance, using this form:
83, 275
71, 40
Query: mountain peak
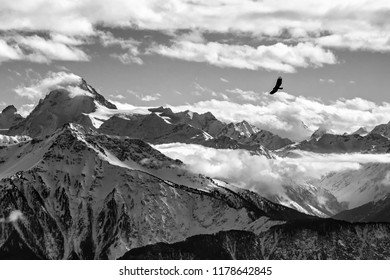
69, 102
9, 110
320, 132
361, 131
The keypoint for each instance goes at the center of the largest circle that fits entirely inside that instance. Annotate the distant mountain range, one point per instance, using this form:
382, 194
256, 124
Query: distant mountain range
90, 186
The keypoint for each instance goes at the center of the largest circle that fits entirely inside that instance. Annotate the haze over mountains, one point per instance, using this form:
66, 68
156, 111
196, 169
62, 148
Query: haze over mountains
93, 182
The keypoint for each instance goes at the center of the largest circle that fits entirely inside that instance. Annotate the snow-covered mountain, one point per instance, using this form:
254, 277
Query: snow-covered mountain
10, 140
332, 143
206, 122
358, 187
248, 134
321, 131
87, 195
88, 184
61, 106
163, 126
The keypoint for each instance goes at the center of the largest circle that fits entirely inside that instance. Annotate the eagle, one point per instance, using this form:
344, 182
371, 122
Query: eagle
277, 86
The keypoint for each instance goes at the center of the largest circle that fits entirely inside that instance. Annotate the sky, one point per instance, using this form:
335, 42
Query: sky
221, 56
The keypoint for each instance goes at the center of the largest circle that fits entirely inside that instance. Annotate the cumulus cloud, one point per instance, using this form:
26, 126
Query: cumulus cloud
26, 109
41, 50
352, 24
148, 98
304, 29
278, 57
40, 87
14, 216
145, 97
260, 174
127, 58
288, 115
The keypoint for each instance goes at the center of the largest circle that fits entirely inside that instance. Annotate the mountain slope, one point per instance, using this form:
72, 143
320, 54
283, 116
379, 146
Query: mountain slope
320, 239
357, 187
90, 196
374, 211
331, 143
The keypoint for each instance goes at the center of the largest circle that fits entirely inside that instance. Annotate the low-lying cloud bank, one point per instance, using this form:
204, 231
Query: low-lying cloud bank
260, 174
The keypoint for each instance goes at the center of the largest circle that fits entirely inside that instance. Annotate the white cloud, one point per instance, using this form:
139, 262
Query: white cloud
26, 109
331, 81
148, 98
277, 57
224, 80
42, 50
45, 50
352, 24
39, 88
259, 173
127, 58
118, 96
8, 52
145, 98
286, 114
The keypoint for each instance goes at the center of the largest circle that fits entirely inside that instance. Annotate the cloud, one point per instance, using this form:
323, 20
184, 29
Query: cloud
127, 58
287, 115
224, 80
277, 57
40, 87
259, 173
26, 109
41, 50
330, 81
107, 39
14, 216
351, 24
145, 97
148, 98
8, 52
118, 96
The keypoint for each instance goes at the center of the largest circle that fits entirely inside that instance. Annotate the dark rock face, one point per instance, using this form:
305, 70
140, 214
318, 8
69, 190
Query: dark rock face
319, 239
9, 117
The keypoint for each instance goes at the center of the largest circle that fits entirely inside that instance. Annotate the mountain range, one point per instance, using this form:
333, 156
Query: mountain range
89, 184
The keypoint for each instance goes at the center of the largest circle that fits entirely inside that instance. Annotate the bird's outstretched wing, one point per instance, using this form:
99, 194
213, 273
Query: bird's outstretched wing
273, 91
277, 86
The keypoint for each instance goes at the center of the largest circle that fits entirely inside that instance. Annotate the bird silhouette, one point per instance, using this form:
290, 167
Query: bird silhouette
277, 86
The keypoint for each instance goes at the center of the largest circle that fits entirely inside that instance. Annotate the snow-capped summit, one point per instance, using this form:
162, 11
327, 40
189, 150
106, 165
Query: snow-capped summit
67, 104
206, 122
248, 134
320, 132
